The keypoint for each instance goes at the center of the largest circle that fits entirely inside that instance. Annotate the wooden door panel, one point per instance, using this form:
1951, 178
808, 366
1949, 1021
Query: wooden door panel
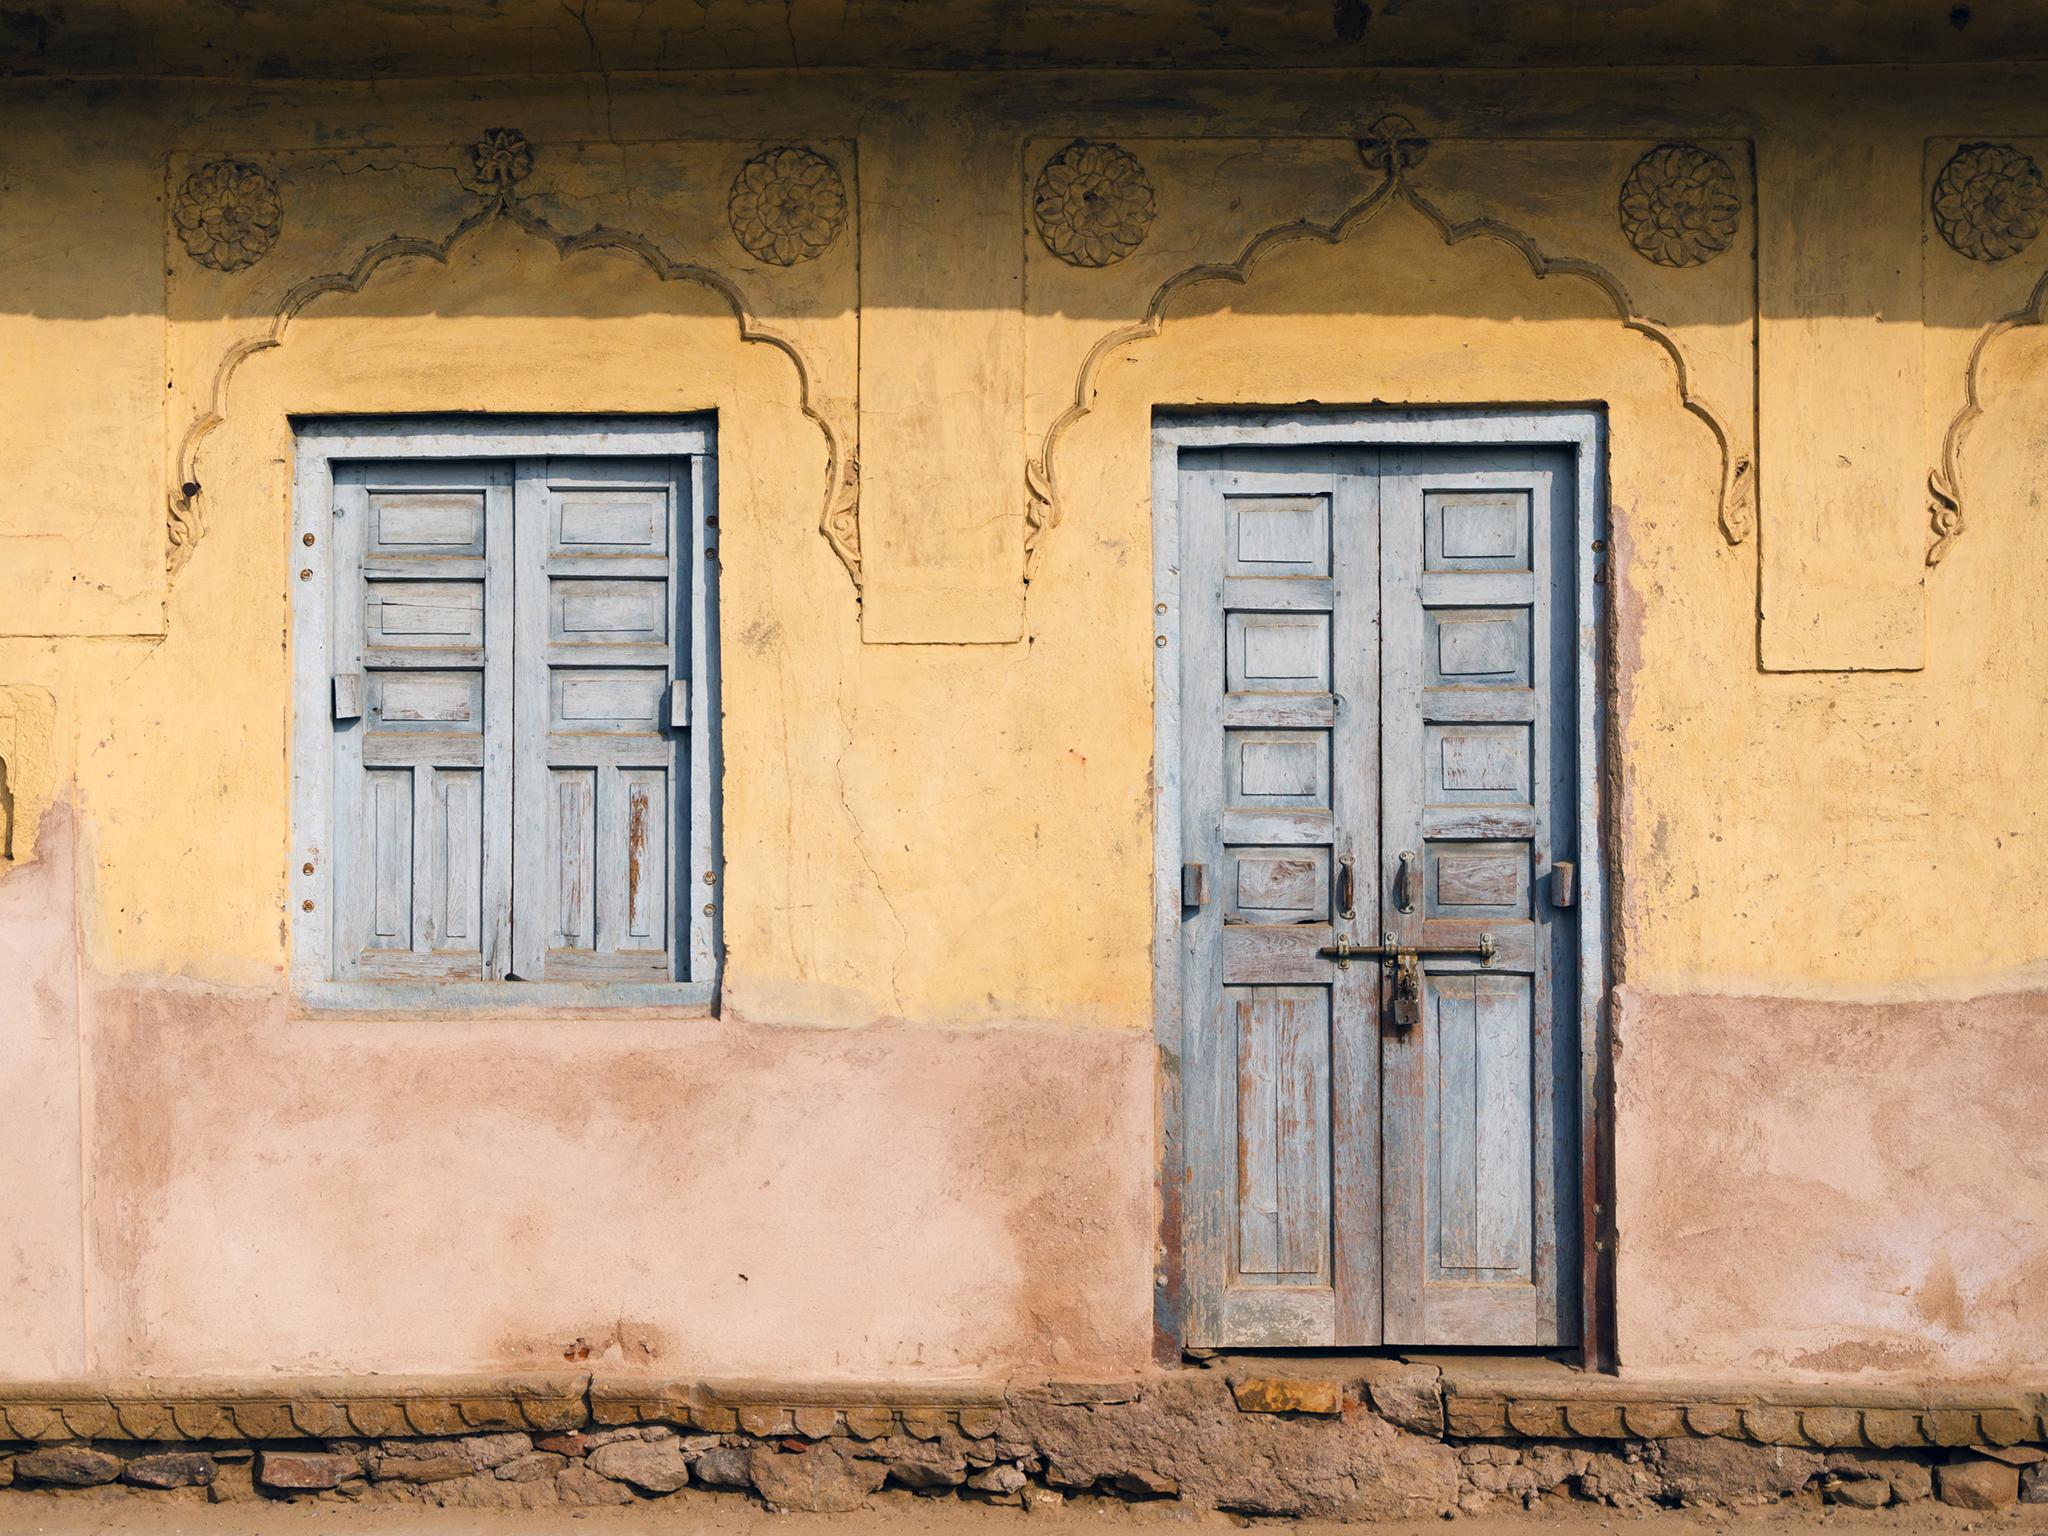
1478, 668
1280, 1093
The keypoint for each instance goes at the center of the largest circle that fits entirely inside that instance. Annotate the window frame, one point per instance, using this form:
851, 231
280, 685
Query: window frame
320, 443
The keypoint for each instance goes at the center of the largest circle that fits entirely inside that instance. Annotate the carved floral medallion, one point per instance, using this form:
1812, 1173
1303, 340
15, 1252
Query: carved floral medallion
786, 206
1680, 206
1989, 201
228, 214
1093, 204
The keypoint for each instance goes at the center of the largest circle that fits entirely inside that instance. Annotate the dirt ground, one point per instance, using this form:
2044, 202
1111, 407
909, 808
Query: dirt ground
31, 1515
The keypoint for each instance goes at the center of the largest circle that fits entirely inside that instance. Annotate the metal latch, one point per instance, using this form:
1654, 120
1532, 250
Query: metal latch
1407, 966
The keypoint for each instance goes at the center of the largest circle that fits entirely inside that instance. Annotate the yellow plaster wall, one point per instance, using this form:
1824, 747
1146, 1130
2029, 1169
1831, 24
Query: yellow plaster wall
926, 807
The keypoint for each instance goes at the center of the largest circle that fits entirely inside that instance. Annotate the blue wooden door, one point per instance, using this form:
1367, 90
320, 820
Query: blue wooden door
1375, 701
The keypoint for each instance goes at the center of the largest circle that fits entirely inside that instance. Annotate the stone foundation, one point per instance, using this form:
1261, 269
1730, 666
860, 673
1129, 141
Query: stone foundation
1376, 1439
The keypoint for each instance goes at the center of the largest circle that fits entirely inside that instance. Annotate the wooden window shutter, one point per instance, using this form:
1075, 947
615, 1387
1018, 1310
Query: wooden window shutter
422, 714
601, 821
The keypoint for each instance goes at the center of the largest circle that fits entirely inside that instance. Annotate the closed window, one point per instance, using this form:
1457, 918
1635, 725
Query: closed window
506, 709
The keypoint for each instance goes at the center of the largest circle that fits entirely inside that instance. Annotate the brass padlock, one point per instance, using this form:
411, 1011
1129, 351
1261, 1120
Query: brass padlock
1407, 989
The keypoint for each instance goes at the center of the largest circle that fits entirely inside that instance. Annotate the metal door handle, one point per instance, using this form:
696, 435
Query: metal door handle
1347, 889
1404, 882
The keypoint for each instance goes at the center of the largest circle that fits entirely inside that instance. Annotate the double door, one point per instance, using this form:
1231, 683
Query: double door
1377, 927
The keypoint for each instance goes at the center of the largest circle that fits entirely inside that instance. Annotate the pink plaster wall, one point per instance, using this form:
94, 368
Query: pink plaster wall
1851, 1191
41, 1294
295, 1196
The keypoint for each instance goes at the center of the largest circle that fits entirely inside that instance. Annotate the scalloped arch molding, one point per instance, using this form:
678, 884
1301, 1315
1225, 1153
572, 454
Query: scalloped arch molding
1043, 510
839, 521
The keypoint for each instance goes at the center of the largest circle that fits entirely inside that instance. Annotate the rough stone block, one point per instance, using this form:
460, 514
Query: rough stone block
1147, 1483
1977, 1484
420, 1469
568, 1443
1860, 1492
1734, 1471
173, 1469
533, 1467
1288, 1394
67, 1466
925, 1423
724, 1466
652, 1466
2034, 1485
1003, 1477
1408, 1395
298, 1471
817, 1481
979, 1423
577, 1484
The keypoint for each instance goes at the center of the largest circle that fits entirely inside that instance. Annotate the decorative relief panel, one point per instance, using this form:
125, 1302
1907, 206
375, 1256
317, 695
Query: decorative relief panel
1981, 279
676, 207
1223, 205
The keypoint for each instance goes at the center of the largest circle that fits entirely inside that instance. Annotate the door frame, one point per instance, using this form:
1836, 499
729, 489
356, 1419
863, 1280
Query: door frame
1581, 430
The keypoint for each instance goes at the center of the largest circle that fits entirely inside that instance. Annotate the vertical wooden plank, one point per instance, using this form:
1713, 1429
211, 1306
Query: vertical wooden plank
539, 892
700, 882
1504, 1116
462, 854
1355, 1142
390, 840
1302, 1120
497, 809
1258, 1014
1452, 1045
429, 838
1404, 1090
1208, 1078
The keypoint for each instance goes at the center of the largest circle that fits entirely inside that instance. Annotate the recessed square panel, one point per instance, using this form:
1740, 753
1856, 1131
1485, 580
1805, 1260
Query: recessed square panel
1475, 764
1475, 530
1276, 770
1278, 652
606, 698
426, 701
416, 615
1476, 879
1276, 885
1278, 535
588, 610
1485, 647
426, 523
603, 522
